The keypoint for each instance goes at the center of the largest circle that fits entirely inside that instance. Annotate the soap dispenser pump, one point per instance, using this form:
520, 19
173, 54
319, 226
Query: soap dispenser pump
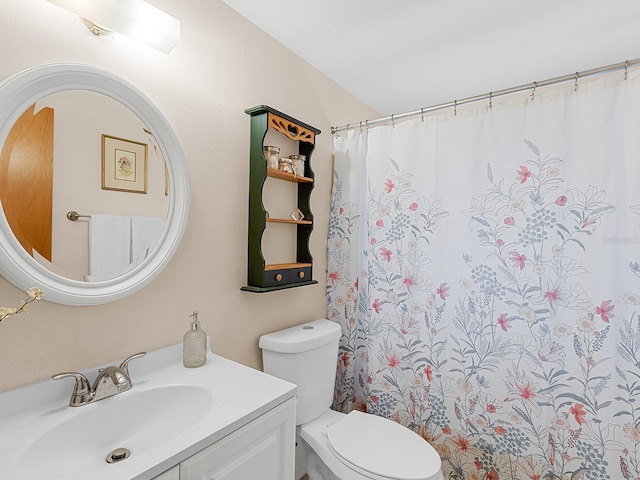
194, 348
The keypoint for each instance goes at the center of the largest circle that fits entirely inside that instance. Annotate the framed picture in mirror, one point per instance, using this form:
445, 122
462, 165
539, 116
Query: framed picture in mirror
124, 165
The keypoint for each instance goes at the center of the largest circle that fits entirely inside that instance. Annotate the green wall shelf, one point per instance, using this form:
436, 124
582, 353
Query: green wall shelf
263, 277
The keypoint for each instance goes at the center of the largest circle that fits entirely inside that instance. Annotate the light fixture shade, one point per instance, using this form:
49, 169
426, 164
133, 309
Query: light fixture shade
133, 18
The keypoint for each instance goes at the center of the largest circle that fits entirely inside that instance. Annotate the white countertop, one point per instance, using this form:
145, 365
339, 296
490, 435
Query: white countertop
240, 394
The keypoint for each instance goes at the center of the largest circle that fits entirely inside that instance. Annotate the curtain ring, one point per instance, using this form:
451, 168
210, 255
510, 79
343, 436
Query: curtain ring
366, 125
626, 69
490, 99
533, 92
360, 126
422, 114
393, 122
348, 124
575, 85
455, 107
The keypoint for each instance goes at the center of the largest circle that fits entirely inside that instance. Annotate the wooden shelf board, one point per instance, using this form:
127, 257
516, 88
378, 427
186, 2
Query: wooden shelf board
283, 266
289, 220
290, 177
252, 289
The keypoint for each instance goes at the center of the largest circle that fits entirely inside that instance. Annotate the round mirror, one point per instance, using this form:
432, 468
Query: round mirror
94, 186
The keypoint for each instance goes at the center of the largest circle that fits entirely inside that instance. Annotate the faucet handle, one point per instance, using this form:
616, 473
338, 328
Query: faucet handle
124, 366
81, 390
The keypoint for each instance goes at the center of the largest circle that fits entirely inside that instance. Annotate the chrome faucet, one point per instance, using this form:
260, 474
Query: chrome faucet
110, 381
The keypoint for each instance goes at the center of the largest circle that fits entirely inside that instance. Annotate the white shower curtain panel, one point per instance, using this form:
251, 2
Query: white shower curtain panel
485, 269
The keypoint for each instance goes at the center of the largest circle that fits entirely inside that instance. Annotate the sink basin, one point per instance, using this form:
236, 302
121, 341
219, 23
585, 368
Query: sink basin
135, 420
169, 415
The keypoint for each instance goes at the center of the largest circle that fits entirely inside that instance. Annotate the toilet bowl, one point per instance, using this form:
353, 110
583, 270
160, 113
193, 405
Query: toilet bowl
359, 446
338, 446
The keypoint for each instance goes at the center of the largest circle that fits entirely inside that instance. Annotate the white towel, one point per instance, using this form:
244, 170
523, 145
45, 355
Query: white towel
145, 233
109, 247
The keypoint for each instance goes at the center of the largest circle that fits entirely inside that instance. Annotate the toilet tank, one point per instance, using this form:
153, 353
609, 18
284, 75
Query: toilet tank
305, 355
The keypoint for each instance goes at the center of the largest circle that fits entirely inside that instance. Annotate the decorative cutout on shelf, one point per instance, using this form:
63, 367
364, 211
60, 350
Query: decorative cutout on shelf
290, 129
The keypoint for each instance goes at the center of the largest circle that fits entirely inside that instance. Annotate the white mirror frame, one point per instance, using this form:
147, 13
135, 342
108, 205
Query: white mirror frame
22, 90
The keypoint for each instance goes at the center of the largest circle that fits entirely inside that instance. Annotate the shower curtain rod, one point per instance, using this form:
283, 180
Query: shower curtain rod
489, 96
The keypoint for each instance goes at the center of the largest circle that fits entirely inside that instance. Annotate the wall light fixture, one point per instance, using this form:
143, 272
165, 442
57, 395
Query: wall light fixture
133, 18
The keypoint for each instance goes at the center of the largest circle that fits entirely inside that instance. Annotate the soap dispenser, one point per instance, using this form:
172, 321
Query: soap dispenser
194, 348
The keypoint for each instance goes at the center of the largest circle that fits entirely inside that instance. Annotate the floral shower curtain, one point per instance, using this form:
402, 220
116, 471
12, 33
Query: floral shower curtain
485, 267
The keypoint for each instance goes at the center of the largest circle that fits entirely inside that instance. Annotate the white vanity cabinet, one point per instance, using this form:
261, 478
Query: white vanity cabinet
263, 449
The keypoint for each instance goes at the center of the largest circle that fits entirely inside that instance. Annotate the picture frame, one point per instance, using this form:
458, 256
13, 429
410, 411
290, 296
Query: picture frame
124, 165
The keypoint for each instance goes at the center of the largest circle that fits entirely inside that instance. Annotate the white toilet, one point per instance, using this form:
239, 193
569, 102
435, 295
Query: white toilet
338, 446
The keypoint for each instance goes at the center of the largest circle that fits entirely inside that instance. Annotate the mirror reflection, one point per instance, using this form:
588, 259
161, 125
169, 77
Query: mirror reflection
85, 152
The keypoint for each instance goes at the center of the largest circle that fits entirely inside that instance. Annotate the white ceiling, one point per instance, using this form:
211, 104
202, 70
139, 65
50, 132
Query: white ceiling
401, 55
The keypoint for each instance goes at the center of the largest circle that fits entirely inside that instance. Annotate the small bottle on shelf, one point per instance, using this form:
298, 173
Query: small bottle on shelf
271, 154
298, 164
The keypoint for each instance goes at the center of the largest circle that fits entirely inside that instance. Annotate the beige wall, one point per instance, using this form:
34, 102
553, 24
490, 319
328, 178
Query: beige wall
222, 65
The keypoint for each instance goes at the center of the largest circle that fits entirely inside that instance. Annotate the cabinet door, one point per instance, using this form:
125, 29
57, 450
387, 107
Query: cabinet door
171, 474
264, 449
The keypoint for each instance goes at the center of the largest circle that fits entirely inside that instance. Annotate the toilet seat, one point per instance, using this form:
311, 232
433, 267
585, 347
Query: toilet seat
380, 448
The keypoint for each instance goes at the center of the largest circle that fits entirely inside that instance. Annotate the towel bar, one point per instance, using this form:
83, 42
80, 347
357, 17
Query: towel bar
73, 215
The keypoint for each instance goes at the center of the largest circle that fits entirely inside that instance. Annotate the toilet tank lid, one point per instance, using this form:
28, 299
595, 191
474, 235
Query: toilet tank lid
301, 337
